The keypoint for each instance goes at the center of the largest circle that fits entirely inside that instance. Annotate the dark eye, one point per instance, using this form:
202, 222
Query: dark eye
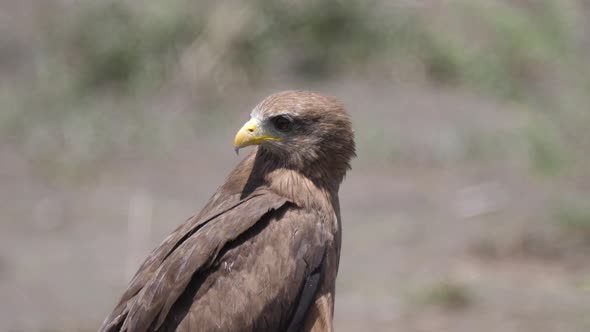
282, 123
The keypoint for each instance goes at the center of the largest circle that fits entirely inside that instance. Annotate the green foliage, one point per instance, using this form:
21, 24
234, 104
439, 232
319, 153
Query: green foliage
495, 48
116, 53
108, 44
500, 48
447, 295
315, 38
547, 153
91, 70
111, 45
574, 219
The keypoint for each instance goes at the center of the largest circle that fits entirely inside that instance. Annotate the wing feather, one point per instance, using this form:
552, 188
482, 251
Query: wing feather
191, 247
265, 280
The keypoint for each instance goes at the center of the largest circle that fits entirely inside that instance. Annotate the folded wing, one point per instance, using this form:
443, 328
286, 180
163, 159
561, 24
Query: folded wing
243, 264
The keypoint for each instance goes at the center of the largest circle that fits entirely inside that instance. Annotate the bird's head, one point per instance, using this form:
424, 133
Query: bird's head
299, 129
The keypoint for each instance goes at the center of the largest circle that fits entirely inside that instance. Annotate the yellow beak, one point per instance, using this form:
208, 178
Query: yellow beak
252, 134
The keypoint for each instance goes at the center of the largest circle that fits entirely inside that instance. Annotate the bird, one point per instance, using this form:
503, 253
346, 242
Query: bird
263, 253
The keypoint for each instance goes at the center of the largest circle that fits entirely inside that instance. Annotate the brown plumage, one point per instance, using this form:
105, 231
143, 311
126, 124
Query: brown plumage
263, 254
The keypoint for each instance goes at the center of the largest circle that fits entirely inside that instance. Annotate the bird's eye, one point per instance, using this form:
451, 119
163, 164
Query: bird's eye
282, 123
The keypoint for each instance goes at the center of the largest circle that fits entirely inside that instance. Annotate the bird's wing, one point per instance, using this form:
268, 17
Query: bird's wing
176, 284
190, 248
266, 280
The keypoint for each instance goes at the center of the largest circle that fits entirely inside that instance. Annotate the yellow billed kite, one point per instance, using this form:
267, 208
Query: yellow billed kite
263, 254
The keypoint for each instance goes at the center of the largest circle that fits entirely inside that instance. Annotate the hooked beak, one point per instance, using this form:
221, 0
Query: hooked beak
252, 133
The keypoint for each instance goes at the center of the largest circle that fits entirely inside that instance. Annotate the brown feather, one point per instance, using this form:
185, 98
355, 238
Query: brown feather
263, 254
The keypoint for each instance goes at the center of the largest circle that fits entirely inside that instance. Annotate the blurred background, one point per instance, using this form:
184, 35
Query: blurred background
467, 209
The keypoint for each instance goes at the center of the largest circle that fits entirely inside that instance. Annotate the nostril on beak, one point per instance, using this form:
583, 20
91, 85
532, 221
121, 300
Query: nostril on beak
250, 130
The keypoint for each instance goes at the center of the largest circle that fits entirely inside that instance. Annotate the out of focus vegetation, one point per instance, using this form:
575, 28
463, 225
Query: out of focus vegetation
86, 82
530, 53
88, 79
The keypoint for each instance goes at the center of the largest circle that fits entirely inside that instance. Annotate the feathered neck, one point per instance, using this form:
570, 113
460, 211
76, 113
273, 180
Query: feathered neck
311, 187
